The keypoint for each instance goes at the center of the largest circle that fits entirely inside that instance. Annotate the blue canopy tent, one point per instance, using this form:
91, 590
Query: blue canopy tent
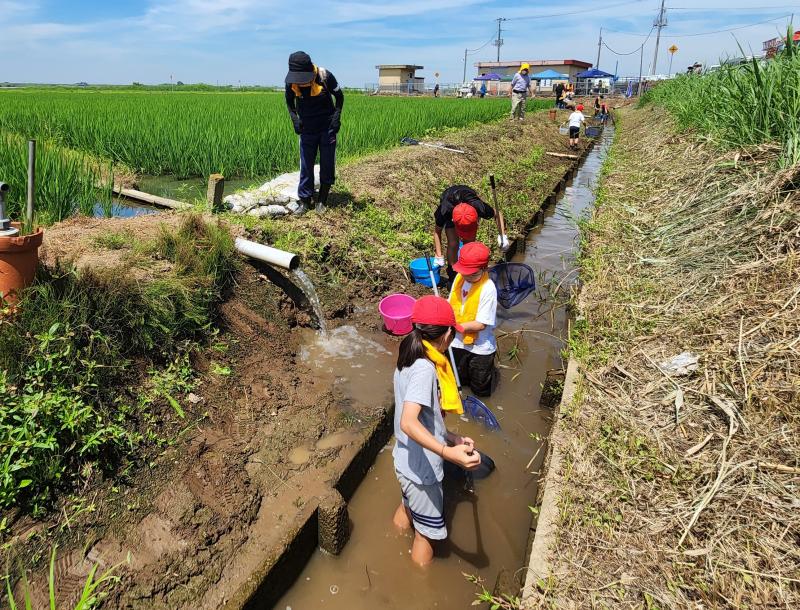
549, 75
593, 73
490, 76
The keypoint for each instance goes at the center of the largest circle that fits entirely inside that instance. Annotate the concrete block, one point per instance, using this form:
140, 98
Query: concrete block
333, 522
216, 185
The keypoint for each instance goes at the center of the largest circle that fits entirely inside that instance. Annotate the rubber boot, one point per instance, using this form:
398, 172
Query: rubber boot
322, 197
305, 203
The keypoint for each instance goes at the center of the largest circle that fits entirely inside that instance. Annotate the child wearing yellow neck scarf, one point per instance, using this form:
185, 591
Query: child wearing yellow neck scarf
474, 301
424, 384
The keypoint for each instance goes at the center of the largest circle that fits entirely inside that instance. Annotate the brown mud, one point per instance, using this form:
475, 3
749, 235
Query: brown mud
193, 521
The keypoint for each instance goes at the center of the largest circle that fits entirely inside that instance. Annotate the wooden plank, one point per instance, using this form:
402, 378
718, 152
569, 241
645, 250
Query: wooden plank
562, 155
151, 199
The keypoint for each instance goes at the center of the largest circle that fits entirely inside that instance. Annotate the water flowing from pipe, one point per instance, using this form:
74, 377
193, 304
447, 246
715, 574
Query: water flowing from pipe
307, 286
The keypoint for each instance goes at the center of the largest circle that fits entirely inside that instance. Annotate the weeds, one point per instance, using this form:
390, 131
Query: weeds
675, 486
495, 602
115, 240
79, 337
95, 588
743, 105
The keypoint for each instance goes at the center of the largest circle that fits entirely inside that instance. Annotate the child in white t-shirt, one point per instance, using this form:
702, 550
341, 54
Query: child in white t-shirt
576, 119
474, 300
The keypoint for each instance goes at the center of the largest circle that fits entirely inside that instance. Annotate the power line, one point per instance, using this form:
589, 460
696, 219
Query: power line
637, 49
728, 8
472, 52
580, 12
486, 44
731, 29
741, 27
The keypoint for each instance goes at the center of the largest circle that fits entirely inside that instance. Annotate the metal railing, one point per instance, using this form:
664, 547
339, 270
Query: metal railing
410, 88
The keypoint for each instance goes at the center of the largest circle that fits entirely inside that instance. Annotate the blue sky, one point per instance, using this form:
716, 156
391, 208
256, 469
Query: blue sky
227, 41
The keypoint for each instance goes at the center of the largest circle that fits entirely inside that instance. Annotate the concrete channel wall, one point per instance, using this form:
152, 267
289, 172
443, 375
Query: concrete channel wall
270, 580
539, 568
281, 566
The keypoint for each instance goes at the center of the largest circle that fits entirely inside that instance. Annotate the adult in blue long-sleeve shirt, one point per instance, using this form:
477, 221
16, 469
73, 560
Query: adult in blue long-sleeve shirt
520, 90
310, 95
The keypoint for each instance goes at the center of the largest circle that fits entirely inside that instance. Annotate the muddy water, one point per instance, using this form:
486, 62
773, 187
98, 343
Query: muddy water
353, 360
488, 529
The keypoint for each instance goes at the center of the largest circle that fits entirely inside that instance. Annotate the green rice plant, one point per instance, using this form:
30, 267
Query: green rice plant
243, 134
67, 182
742, 105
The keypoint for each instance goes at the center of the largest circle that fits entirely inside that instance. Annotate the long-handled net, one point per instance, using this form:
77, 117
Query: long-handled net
475, 409
514, 281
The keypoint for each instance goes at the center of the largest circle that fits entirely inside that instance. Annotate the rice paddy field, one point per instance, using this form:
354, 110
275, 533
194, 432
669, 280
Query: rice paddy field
193, 134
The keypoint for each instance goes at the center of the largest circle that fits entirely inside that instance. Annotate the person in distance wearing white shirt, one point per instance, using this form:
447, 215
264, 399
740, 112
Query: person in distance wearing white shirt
576, 119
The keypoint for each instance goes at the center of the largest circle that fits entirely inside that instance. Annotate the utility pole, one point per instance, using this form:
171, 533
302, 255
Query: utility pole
464, 80
499, 42
660, 22
641, 63
599, 44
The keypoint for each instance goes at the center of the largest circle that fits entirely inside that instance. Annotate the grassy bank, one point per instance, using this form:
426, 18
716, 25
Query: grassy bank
94, 361
737, 106
381, 212
678, 484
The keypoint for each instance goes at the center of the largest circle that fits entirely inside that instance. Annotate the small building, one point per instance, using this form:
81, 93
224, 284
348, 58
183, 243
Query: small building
773, 46
507, 69
400, 78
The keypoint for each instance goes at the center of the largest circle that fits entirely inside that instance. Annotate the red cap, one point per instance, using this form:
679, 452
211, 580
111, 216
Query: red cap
473, 257
434, 310
580, 107
465, 217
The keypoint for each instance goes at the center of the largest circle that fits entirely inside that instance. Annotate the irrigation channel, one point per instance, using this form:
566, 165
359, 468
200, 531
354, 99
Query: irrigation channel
489, 529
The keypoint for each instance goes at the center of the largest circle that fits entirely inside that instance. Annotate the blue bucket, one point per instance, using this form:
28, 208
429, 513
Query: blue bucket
419, 271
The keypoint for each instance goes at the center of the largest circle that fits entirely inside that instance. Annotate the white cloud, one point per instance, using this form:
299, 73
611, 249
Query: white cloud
250, 39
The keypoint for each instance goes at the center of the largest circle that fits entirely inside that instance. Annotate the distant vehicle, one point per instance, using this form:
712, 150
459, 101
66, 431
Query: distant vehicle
83, 84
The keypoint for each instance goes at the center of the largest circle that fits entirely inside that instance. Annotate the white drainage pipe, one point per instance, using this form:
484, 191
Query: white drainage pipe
270, 255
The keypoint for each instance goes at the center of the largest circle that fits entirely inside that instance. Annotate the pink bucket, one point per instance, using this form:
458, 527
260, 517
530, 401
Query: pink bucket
396, 312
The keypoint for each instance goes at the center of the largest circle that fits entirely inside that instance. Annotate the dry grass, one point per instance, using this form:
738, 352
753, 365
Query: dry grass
684, 491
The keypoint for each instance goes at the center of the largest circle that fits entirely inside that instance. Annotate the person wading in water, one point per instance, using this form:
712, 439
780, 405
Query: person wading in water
457, 216
424, 387
310, 94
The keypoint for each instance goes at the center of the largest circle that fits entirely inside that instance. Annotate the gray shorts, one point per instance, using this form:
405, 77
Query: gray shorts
426, 504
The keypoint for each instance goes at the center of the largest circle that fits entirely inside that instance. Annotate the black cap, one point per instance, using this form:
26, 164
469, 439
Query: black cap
301, 70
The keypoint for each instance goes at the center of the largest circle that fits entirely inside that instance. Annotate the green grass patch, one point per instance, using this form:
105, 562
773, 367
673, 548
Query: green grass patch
744, 105
70, 359
242, 134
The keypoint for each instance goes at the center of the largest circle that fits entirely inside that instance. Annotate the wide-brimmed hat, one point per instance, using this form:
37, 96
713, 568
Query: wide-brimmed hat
301, 70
